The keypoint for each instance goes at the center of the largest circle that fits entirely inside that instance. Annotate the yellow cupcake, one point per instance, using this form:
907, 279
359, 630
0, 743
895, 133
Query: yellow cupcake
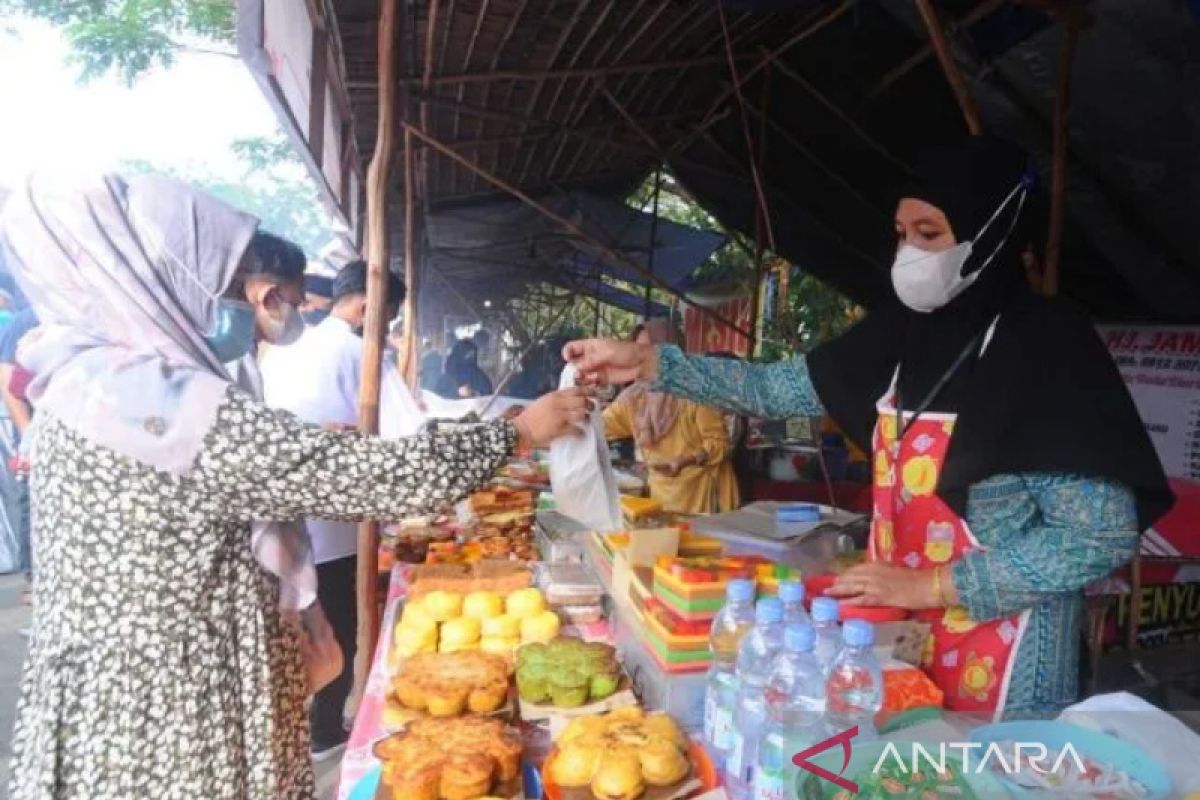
483, 605
525, 603
415, 616
499, 645
503, 626
442, 606
463, 630
410, 641
540, 627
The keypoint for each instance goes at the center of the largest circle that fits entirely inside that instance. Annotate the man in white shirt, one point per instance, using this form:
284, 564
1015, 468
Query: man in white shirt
317, 379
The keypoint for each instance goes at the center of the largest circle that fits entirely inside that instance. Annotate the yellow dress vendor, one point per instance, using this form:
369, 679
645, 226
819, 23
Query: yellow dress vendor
685, 444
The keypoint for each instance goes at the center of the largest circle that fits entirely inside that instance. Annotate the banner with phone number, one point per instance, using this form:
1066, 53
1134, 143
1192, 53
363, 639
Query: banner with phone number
1161, 366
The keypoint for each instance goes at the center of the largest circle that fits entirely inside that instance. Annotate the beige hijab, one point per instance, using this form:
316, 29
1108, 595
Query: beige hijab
654, 413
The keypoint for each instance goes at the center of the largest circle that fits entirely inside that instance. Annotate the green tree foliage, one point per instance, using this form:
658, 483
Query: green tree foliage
273, 187
131, 36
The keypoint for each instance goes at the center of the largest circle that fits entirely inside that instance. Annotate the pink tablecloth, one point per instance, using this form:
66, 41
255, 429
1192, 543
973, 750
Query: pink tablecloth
368, 725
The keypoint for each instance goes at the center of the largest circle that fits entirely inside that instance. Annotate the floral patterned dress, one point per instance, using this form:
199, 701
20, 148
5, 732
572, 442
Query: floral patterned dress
158, 667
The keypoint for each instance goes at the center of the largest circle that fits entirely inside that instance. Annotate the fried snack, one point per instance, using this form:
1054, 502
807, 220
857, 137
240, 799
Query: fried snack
449, 759
501, 577
662, 763
577, 765
619, 776
448, 684
501, 499
620, 753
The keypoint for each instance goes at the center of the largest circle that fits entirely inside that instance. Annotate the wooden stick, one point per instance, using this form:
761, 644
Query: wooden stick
1058, 169
411, 279
954, 76
378, 180
431, 19
836, 110
571, 228
565, 72
916, 59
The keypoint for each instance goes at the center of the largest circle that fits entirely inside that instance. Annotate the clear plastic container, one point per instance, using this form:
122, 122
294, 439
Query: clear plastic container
569, 584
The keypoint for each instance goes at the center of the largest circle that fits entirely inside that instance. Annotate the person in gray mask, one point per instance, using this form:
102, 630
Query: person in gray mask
162, 661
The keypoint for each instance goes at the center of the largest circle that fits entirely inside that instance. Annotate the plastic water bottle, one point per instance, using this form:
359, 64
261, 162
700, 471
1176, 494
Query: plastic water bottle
825, 613
755, 659
795, 697
854, 685
791, 594
729, 627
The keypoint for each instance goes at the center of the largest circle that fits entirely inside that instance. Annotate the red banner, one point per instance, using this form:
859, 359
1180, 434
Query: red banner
703, 334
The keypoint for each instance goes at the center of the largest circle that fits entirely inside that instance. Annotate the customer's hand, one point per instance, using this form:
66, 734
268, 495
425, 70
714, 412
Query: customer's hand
602, 361
880, 584
551, 416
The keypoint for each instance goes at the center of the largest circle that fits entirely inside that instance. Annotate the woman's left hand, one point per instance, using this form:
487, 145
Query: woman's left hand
879, 584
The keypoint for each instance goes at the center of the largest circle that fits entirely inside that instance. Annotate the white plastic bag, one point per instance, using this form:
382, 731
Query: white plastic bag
581, 474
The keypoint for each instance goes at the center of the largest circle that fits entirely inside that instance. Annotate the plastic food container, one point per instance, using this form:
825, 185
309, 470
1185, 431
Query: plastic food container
569, 584
580, 614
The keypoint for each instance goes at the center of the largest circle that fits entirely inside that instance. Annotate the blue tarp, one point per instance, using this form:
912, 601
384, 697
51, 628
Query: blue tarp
509, 244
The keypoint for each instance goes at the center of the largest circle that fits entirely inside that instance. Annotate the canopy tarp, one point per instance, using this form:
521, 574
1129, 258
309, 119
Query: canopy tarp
504, 244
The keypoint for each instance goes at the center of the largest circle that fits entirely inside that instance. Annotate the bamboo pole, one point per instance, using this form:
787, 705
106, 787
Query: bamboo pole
954, 76
916, 59
571, 227
378, 257
411, 281
563, 73
1058, 169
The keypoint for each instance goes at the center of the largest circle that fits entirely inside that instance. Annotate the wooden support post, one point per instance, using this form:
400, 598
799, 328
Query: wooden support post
411, 278
572, 228
378, 257
954, 76
1058, 169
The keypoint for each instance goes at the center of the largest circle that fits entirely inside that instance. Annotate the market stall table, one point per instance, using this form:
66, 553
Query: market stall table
369, 727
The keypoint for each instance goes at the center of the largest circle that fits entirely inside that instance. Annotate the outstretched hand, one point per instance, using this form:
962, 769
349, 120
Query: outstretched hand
606, 361
551, 416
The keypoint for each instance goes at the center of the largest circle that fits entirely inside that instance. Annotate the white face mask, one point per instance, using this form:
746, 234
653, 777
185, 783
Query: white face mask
926, 281
282, 326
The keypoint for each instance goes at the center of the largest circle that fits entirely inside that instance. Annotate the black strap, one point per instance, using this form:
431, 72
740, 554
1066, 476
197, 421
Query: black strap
937, 387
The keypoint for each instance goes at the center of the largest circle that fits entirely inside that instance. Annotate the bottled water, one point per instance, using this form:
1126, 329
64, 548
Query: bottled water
731, 624
825, 613
791, 594
795, 699
854, 686
755, 658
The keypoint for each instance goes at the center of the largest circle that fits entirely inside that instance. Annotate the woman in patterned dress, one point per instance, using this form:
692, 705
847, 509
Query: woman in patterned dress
159, 666
1010, 465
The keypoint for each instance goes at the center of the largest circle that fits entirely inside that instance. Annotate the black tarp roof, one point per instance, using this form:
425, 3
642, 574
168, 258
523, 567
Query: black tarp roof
845, 110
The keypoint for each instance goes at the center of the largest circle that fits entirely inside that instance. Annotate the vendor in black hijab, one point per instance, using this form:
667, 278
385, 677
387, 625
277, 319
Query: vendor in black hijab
1018, 470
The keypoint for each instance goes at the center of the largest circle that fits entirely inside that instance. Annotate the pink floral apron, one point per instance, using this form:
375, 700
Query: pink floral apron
970, 661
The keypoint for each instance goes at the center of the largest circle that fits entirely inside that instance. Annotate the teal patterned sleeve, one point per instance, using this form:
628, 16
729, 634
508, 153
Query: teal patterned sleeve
1044, 535
772, 391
